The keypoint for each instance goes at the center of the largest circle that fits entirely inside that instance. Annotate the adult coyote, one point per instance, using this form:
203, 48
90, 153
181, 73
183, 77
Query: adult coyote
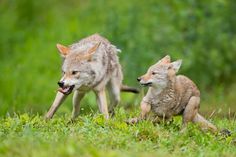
90, 64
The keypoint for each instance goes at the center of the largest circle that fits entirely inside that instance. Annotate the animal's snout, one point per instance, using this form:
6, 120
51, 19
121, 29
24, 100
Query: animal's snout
60, 84
139, 79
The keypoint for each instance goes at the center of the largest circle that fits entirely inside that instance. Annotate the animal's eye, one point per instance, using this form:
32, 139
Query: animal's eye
154, 73
74, 72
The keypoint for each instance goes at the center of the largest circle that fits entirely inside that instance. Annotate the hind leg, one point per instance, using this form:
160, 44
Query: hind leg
191, 110
114, 94
191, 115
204, 124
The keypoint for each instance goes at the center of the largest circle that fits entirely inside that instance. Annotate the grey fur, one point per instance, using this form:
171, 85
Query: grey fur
95, 71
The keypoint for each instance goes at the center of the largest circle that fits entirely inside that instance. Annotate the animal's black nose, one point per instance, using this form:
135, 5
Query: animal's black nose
60, 84
139, 79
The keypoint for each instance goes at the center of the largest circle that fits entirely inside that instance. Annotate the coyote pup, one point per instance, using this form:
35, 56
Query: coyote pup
169, 95
90, 64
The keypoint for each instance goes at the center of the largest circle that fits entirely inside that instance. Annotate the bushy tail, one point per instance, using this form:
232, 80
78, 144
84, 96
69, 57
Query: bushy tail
204, 124
125, 88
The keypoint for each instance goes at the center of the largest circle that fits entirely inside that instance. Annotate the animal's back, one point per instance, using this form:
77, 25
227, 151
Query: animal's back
89, 41
94, 38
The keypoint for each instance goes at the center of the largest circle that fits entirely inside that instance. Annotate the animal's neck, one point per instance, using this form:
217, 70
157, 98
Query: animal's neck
158, 93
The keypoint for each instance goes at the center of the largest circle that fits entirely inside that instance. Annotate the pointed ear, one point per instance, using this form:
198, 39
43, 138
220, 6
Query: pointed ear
176, 65
165, 60
63, 50
91, 51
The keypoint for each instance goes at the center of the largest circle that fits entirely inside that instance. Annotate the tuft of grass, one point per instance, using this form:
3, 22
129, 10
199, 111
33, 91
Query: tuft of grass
91, 135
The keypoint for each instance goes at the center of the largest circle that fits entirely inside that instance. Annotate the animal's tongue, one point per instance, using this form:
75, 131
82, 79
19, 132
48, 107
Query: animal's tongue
64, 90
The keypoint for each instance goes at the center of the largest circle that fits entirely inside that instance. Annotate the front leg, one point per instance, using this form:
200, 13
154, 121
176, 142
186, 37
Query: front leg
145, 109
57, 102
102, 102
76, 104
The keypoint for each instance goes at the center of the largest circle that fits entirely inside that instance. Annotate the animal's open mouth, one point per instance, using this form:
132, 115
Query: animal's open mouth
146, 84
66, 90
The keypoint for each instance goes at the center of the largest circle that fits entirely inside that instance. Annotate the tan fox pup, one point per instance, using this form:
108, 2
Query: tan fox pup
90, 64
170, 95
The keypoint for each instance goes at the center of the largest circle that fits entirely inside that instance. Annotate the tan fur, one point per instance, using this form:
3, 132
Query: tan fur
90, 64
170, 95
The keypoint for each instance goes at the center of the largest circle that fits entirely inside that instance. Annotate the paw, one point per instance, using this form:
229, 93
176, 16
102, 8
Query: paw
183, 130
71, 121
47, 118
112, 113
132, 120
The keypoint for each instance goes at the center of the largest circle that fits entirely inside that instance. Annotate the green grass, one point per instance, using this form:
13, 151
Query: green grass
145, 31
29, 135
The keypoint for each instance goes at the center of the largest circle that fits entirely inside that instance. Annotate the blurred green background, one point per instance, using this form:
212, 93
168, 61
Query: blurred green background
201, 32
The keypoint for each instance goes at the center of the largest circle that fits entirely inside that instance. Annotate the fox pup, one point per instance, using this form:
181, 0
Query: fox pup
170, 95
